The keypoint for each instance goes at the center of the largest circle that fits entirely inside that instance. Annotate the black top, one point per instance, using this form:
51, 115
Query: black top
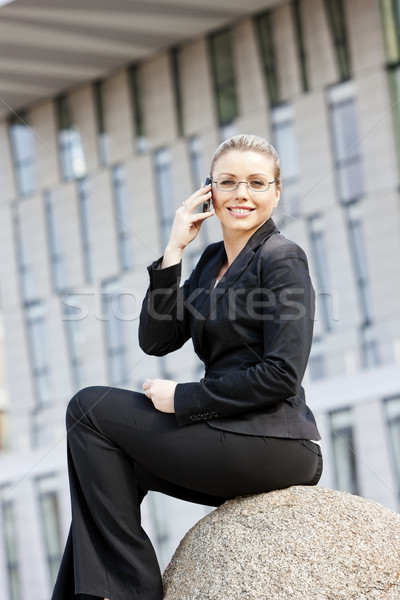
253, 331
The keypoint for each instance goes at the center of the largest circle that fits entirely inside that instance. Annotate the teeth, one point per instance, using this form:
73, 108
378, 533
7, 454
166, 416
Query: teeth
240, 211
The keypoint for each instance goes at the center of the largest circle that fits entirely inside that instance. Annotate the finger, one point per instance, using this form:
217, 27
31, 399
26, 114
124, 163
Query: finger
200, 217
202, 191
195, 202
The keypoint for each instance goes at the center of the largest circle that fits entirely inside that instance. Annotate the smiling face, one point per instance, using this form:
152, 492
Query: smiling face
243, 211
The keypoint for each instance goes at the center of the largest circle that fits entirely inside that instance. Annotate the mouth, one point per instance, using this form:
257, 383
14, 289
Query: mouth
239, 211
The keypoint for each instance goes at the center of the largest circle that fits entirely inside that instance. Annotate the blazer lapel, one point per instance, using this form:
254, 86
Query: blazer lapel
209, 295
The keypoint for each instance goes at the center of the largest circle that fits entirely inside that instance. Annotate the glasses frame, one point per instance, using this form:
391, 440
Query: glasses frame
248, 186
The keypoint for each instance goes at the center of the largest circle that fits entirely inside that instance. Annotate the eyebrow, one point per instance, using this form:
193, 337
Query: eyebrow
252, 175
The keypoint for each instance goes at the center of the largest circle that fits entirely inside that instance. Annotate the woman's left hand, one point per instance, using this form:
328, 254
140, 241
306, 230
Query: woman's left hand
161, 393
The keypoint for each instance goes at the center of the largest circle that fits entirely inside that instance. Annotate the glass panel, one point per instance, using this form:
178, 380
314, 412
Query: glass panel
392, 407
23, 149
56, 253
11, 548
344, 451
336, 18
166, 202
37, 336
50, 520
285, 143
390, 10
122, 217
27, 280
268, 58
319, 256
346, 143
115, 336
224, 77
101, 127
301, 52
177, 89
73, 316
85, 210
73, 164
138, 111
350, 180
316, 363
196, 160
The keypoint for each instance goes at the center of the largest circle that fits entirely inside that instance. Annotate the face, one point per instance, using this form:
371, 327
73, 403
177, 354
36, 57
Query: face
243, 211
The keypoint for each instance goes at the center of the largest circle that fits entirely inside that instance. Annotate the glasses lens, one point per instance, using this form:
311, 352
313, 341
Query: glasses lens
230, 185
227, 185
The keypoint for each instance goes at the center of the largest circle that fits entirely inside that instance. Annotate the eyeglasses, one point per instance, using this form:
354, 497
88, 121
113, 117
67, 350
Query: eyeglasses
254, 185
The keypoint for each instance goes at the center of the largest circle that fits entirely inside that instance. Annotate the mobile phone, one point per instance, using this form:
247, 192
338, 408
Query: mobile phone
207, 205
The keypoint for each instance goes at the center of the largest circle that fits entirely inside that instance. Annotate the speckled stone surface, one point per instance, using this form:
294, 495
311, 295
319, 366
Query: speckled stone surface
301, 543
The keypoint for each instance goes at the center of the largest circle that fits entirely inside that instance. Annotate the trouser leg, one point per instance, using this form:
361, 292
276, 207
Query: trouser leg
119, 447
112, 555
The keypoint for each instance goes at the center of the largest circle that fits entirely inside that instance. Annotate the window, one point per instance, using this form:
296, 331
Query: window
11, 545
85, 210
101, 126
72, 318
301, 51
390, 11
368, 342
196, 160
324, 295
114, 332
122, 217
198, 172
394, 84
346, 142
344, 455
73, 164
50, 523
316, 363
268, 57
35, 315
224, 77
285, 141
160, 522
138, 112
177, 89
166, 204
336, 18
23, 151
57, 262
392, 410
24, 258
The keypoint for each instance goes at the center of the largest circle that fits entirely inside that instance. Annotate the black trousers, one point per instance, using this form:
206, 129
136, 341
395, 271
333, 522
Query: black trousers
119, 447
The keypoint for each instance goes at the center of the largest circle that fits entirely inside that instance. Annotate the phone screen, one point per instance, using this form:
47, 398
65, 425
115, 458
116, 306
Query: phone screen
207, 205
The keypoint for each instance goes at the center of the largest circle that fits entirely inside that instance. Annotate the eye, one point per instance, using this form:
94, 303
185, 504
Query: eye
227, 182
257, 183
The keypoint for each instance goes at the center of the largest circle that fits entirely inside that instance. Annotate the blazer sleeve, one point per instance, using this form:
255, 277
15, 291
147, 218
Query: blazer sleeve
286, 319
164, 324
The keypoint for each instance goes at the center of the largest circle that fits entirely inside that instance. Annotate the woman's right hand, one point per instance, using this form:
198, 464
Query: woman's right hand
186, 225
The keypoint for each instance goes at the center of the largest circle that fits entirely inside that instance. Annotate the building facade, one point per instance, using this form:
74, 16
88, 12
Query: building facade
90, 181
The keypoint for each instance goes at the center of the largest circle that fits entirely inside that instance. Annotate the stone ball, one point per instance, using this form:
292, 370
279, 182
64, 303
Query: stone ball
300, 543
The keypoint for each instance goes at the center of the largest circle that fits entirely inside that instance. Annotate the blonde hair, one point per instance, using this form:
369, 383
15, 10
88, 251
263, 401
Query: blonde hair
253, 143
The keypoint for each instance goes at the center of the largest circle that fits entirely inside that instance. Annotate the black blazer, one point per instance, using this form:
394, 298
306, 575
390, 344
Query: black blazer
253, 332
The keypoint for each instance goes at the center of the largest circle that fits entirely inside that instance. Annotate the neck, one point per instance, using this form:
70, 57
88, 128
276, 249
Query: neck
235, 241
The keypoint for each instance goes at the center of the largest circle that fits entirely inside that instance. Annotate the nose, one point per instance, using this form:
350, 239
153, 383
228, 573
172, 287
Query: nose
243, 192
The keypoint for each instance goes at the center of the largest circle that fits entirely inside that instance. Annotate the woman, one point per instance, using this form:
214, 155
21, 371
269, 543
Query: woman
243, 429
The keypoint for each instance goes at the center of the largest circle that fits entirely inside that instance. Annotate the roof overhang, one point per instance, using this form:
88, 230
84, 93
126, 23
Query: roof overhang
47, 46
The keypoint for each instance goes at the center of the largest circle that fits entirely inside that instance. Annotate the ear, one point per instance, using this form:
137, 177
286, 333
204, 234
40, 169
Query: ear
277, 196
